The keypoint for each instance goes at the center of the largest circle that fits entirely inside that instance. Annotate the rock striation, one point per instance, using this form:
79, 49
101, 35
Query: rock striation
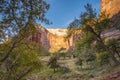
112, 8
51, 39
40, 37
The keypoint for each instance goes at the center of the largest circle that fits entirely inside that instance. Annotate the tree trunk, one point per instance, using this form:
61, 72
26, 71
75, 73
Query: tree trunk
23, 74
8, 53
118, 54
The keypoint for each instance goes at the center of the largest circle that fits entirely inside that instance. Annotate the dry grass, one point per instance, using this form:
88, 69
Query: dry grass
75, 74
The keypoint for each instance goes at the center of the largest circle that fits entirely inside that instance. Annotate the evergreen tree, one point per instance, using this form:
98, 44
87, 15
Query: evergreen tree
19, 19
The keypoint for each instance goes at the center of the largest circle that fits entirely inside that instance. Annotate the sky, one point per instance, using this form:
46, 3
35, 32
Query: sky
62, 12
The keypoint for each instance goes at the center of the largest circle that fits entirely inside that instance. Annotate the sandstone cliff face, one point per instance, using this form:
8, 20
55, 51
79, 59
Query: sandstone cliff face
51, 39
57, 41
40, 37
112, 8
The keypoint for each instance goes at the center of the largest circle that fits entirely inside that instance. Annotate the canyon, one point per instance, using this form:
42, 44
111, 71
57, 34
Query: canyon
53, 39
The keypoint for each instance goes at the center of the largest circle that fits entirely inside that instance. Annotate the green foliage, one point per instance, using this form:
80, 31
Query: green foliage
102, 58
73, 26
20, 63
53, 64
20, 17
92, 27
19, 21
85, 53
113, 44
79, 62
98, 48
90, 57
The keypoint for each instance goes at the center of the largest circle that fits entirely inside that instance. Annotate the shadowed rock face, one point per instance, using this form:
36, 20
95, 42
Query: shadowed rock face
40, 37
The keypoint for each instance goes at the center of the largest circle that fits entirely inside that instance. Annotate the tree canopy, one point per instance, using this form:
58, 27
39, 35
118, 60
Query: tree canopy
92, 28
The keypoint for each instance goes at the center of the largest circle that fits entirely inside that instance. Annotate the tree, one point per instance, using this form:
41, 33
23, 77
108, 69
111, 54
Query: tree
102, 58
114, 45
85, 51
95, 26
20, 63
92, 28
19, 19
53, 64
79, 62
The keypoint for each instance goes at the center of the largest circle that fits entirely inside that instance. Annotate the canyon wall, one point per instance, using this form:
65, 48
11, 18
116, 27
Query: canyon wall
112, 8
57, 41
51, 39
40, 37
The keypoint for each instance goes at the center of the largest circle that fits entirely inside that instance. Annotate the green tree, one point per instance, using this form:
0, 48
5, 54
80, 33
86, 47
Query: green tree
19, 19
114, 45
95, 26
20, 63
102, 58
92, 28
53, 64
79, 62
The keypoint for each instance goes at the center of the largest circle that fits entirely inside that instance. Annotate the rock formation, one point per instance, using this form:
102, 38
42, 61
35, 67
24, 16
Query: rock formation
41, 37
51, 39
112, 8
56, 39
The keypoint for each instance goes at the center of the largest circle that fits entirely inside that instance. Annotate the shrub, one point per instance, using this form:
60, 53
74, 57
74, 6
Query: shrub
102, 58
53, 64
20, 63
79, 62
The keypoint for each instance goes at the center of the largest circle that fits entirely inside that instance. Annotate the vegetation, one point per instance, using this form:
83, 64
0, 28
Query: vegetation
19, 18
20, 59
18, 22
92, 28
53, 63
20, 63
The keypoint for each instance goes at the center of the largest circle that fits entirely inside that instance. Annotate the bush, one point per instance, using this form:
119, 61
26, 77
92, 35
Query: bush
20, 63
79, 62
102, 58
53, 64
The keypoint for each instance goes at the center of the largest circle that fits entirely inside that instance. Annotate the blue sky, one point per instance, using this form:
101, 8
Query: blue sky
62, 12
